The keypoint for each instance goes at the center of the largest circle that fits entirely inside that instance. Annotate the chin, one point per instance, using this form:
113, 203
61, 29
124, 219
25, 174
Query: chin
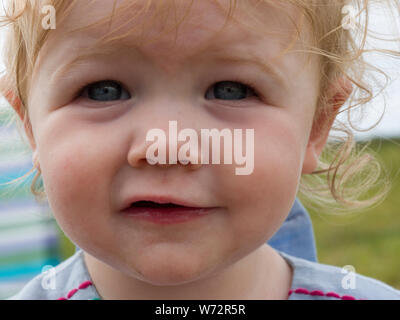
169, 269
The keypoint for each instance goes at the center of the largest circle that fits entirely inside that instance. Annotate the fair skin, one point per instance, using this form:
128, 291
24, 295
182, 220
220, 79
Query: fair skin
92, 155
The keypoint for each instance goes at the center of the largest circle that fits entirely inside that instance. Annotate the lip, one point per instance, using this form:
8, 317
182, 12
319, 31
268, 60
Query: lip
167, 215
184, 211
159, 199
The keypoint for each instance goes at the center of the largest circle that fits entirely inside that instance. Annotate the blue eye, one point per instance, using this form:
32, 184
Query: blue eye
230, 90
106, 91
109, 90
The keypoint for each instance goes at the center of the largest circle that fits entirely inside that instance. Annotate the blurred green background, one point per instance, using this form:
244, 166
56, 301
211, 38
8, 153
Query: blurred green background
369, 241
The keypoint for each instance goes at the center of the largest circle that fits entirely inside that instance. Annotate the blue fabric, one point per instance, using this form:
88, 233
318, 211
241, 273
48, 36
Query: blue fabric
317, 281
308, 278
296, 235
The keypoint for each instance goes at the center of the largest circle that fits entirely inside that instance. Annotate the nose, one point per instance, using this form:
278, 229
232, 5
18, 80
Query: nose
161, 147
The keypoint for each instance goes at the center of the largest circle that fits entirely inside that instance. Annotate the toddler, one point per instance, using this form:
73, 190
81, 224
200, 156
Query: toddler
90, 79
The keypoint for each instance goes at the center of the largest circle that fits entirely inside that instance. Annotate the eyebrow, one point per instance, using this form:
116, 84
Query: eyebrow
217, 53
91, 52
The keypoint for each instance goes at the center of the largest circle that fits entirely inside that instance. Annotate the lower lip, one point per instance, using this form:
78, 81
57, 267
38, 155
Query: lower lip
167, 215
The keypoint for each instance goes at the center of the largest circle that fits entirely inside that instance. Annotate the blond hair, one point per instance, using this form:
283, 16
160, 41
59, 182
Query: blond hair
345, 172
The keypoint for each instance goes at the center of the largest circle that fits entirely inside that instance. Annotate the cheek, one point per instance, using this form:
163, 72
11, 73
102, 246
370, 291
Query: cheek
261, 201
75, 175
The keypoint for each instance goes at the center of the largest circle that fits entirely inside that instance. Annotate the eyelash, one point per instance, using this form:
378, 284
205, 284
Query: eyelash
248, 83
83, 87
88, 83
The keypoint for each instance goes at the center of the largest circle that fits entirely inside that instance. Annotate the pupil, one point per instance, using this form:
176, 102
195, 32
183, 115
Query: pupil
228, 90
105, 91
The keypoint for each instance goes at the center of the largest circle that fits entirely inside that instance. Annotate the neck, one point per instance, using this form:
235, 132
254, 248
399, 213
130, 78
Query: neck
261, 275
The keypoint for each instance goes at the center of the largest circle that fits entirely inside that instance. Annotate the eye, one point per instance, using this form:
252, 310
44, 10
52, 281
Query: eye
107, 90
230, 90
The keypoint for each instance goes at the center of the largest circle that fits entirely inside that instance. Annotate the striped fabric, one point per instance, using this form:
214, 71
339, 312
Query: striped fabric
29, 237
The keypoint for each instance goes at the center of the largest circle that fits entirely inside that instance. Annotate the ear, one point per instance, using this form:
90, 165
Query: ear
16, 104
337, 94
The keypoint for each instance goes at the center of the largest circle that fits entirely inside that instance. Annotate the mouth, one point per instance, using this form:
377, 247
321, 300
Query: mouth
155, 205
167, 212
152, 204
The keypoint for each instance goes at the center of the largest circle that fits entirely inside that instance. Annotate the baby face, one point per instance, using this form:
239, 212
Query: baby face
92, 144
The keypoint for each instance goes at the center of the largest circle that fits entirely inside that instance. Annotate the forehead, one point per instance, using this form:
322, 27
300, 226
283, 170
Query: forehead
179, 29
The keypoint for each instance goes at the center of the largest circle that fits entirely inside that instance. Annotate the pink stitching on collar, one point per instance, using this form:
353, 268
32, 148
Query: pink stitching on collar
83, 285
320, 293
86, 284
